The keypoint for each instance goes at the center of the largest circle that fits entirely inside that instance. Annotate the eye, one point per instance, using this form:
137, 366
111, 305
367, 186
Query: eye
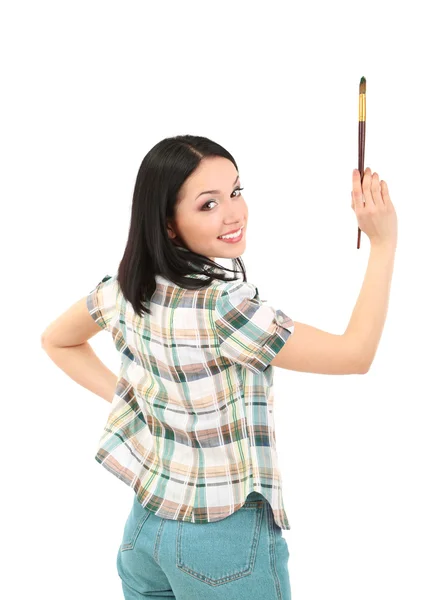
207, 203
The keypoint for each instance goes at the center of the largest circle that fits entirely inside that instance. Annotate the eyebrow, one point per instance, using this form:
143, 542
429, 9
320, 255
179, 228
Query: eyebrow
215, 191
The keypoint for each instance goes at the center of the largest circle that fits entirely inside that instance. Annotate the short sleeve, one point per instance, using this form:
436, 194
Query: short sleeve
102, 301
250, 331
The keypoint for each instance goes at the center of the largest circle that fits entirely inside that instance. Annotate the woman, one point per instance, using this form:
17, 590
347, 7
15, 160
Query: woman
191, 425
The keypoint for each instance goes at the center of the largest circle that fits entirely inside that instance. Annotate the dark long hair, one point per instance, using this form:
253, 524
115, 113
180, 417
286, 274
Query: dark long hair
149, 250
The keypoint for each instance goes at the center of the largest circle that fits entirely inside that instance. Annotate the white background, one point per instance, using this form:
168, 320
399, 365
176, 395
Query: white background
87, 89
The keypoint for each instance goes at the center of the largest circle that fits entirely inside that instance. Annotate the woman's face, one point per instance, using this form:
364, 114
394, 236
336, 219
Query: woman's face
200, 218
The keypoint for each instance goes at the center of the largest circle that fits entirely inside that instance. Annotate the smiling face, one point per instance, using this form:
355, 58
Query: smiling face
200, 217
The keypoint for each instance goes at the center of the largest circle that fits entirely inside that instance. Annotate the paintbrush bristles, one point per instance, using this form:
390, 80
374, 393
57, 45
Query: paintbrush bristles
363, 86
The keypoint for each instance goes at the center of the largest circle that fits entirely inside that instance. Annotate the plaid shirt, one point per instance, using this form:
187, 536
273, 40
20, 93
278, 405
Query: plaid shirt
191, 425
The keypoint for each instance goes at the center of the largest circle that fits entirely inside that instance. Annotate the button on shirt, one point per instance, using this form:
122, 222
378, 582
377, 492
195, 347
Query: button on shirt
191, 424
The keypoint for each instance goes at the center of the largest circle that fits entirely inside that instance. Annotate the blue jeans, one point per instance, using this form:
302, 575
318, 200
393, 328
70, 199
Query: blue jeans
241, 557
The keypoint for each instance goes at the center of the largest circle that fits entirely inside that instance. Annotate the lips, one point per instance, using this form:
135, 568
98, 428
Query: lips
229, 232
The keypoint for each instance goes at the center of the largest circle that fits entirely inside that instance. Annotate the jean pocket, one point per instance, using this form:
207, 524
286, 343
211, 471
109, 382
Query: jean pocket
221, 551
133, 526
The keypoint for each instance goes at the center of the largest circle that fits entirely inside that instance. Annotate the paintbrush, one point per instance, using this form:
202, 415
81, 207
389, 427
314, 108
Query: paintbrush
362, 122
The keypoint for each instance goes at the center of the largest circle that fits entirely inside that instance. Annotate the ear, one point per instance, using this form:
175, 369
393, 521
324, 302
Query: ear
172, 234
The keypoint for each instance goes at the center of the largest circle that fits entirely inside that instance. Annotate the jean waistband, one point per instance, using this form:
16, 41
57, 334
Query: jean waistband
255, 496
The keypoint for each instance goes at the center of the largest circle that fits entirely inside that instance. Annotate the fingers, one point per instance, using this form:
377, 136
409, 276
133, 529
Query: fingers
375, 190
385, 194
356, 195
366, 187
370, 190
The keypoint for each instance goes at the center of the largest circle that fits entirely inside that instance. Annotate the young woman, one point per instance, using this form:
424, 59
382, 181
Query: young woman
191, 426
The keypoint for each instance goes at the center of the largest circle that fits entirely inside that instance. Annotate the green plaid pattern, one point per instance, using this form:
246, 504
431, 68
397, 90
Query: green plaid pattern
191, 425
